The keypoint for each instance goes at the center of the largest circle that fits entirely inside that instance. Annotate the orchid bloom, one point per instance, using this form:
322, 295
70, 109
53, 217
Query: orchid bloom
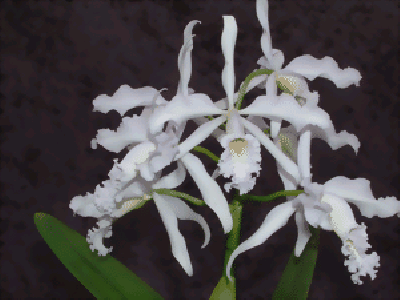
292, 77
117, 197
325, 206
283, 107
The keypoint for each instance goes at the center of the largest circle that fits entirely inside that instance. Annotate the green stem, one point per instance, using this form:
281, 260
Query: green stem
206, 152
185, 196
273, 196
246, 83
234, 235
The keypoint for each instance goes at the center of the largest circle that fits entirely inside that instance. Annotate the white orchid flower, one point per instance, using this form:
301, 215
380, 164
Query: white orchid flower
324, 206
117, 197
275, 107
292, 77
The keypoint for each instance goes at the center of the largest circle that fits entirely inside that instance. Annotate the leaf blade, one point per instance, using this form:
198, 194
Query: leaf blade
105, 277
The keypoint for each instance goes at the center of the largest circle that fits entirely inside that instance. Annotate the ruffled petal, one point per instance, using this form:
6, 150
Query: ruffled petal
276, 218
199, 135
167, 210
132, 129
358, 192
85, 206
125, 98
185, 60
95, 237
311, 68
180, 109
209, 189
228, 41
355, 245
280, 157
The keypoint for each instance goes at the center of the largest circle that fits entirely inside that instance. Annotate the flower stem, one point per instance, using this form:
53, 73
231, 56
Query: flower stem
273, 196
246, 83
234, 235
185, 196
206, 152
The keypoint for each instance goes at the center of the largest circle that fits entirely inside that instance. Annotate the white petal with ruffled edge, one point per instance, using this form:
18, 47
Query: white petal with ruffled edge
239, 160
132, 129
126, 98
275, 219
311, 68
95, 237
358, 192
209, 189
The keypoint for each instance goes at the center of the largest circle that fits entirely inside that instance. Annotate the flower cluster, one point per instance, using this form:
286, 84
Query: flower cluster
153, 140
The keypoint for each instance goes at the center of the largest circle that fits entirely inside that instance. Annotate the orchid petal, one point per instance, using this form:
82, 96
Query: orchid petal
185, 60
275, 127
199, 135
358, 192
311, 68
137, 155
217, 133
209, 189
85, 206
275, 219
286, 108
280, 157
303, 154
303, 233
124, 99
169, 218
173, 179
132, 129
228, 41
342, 217
180, 109
266, 42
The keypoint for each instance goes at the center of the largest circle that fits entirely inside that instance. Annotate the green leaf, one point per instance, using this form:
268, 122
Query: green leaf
105, 277
225, 290
297, 276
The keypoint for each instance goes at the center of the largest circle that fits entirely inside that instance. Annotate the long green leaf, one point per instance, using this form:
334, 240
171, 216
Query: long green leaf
105, 277
297, 276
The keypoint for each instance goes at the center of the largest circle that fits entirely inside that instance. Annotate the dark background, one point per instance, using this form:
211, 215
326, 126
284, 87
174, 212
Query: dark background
56, 57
